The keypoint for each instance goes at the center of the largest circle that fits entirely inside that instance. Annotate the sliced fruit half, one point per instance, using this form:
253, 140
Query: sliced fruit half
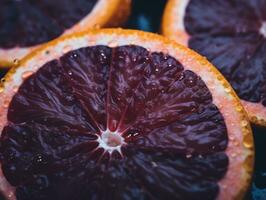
232, 35
119, 114
24, 25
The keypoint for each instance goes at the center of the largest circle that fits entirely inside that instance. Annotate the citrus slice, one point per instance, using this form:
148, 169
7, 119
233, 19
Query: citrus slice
119, 114
232, 35
26, 24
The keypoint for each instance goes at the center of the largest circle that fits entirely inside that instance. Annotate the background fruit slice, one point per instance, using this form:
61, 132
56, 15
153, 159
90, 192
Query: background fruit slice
26, 24
231, 34
129, 113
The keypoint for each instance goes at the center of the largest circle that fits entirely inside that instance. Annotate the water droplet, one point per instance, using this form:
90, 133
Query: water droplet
15, 89
16, 61
188, 156
220, 77
26, 74
239, 108
6, 103
156, 69
236, 143
103, 56
227, 90
154, 164
67, 48
13, 168
96, 26
244, 122
10, 195
69, 73
181, 77
191, 81
231, 138
135, 134
203, 61
112, 44
247, 144
75, 55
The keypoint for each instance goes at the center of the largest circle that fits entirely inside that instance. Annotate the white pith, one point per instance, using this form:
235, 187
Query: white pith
105, 138
263, 29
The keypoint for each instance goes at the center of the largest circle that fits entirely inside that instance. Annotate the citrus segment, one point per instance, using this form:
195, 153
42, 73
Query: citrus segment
130, 116
231, 34
27, 24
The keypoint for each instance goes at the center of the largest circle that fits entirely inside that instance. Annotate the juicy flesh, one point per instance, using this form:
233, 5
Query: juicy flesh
114, 123
30, 22
231, 34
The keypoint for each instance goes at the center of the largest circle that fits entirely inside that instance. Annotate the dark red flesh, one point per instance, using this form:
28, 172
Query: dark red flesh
26, 23
175, 135
227, 32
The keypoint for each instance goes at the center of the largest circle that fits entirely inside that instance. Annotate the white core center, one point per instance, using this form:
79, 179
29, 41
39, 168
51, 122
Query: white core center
263, 29
111, 141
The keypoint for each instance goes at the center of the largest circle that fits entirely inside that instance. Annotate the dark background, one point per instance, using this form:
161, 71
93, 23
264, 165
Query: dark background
146, 15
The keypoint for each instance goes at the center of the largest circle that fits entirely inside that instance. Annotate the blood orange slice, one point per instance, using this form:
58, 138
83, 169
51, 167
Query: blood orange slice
117, 114
232, 35
26, 24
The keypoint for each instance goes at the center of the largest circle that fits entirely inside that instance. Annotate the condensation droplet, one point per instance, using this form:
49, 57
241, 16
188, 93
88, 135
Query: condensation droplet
239, 108
247, 144
70, 73
15, 89
103, 56
219, 77
188, 156
244, 122
6, 103
154, 164
75, 55
16, 61
156, 69
227, 90
66, 49
3, 80
26, 74
231, 138
96, 26
112, 44
203, 61
236, 143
